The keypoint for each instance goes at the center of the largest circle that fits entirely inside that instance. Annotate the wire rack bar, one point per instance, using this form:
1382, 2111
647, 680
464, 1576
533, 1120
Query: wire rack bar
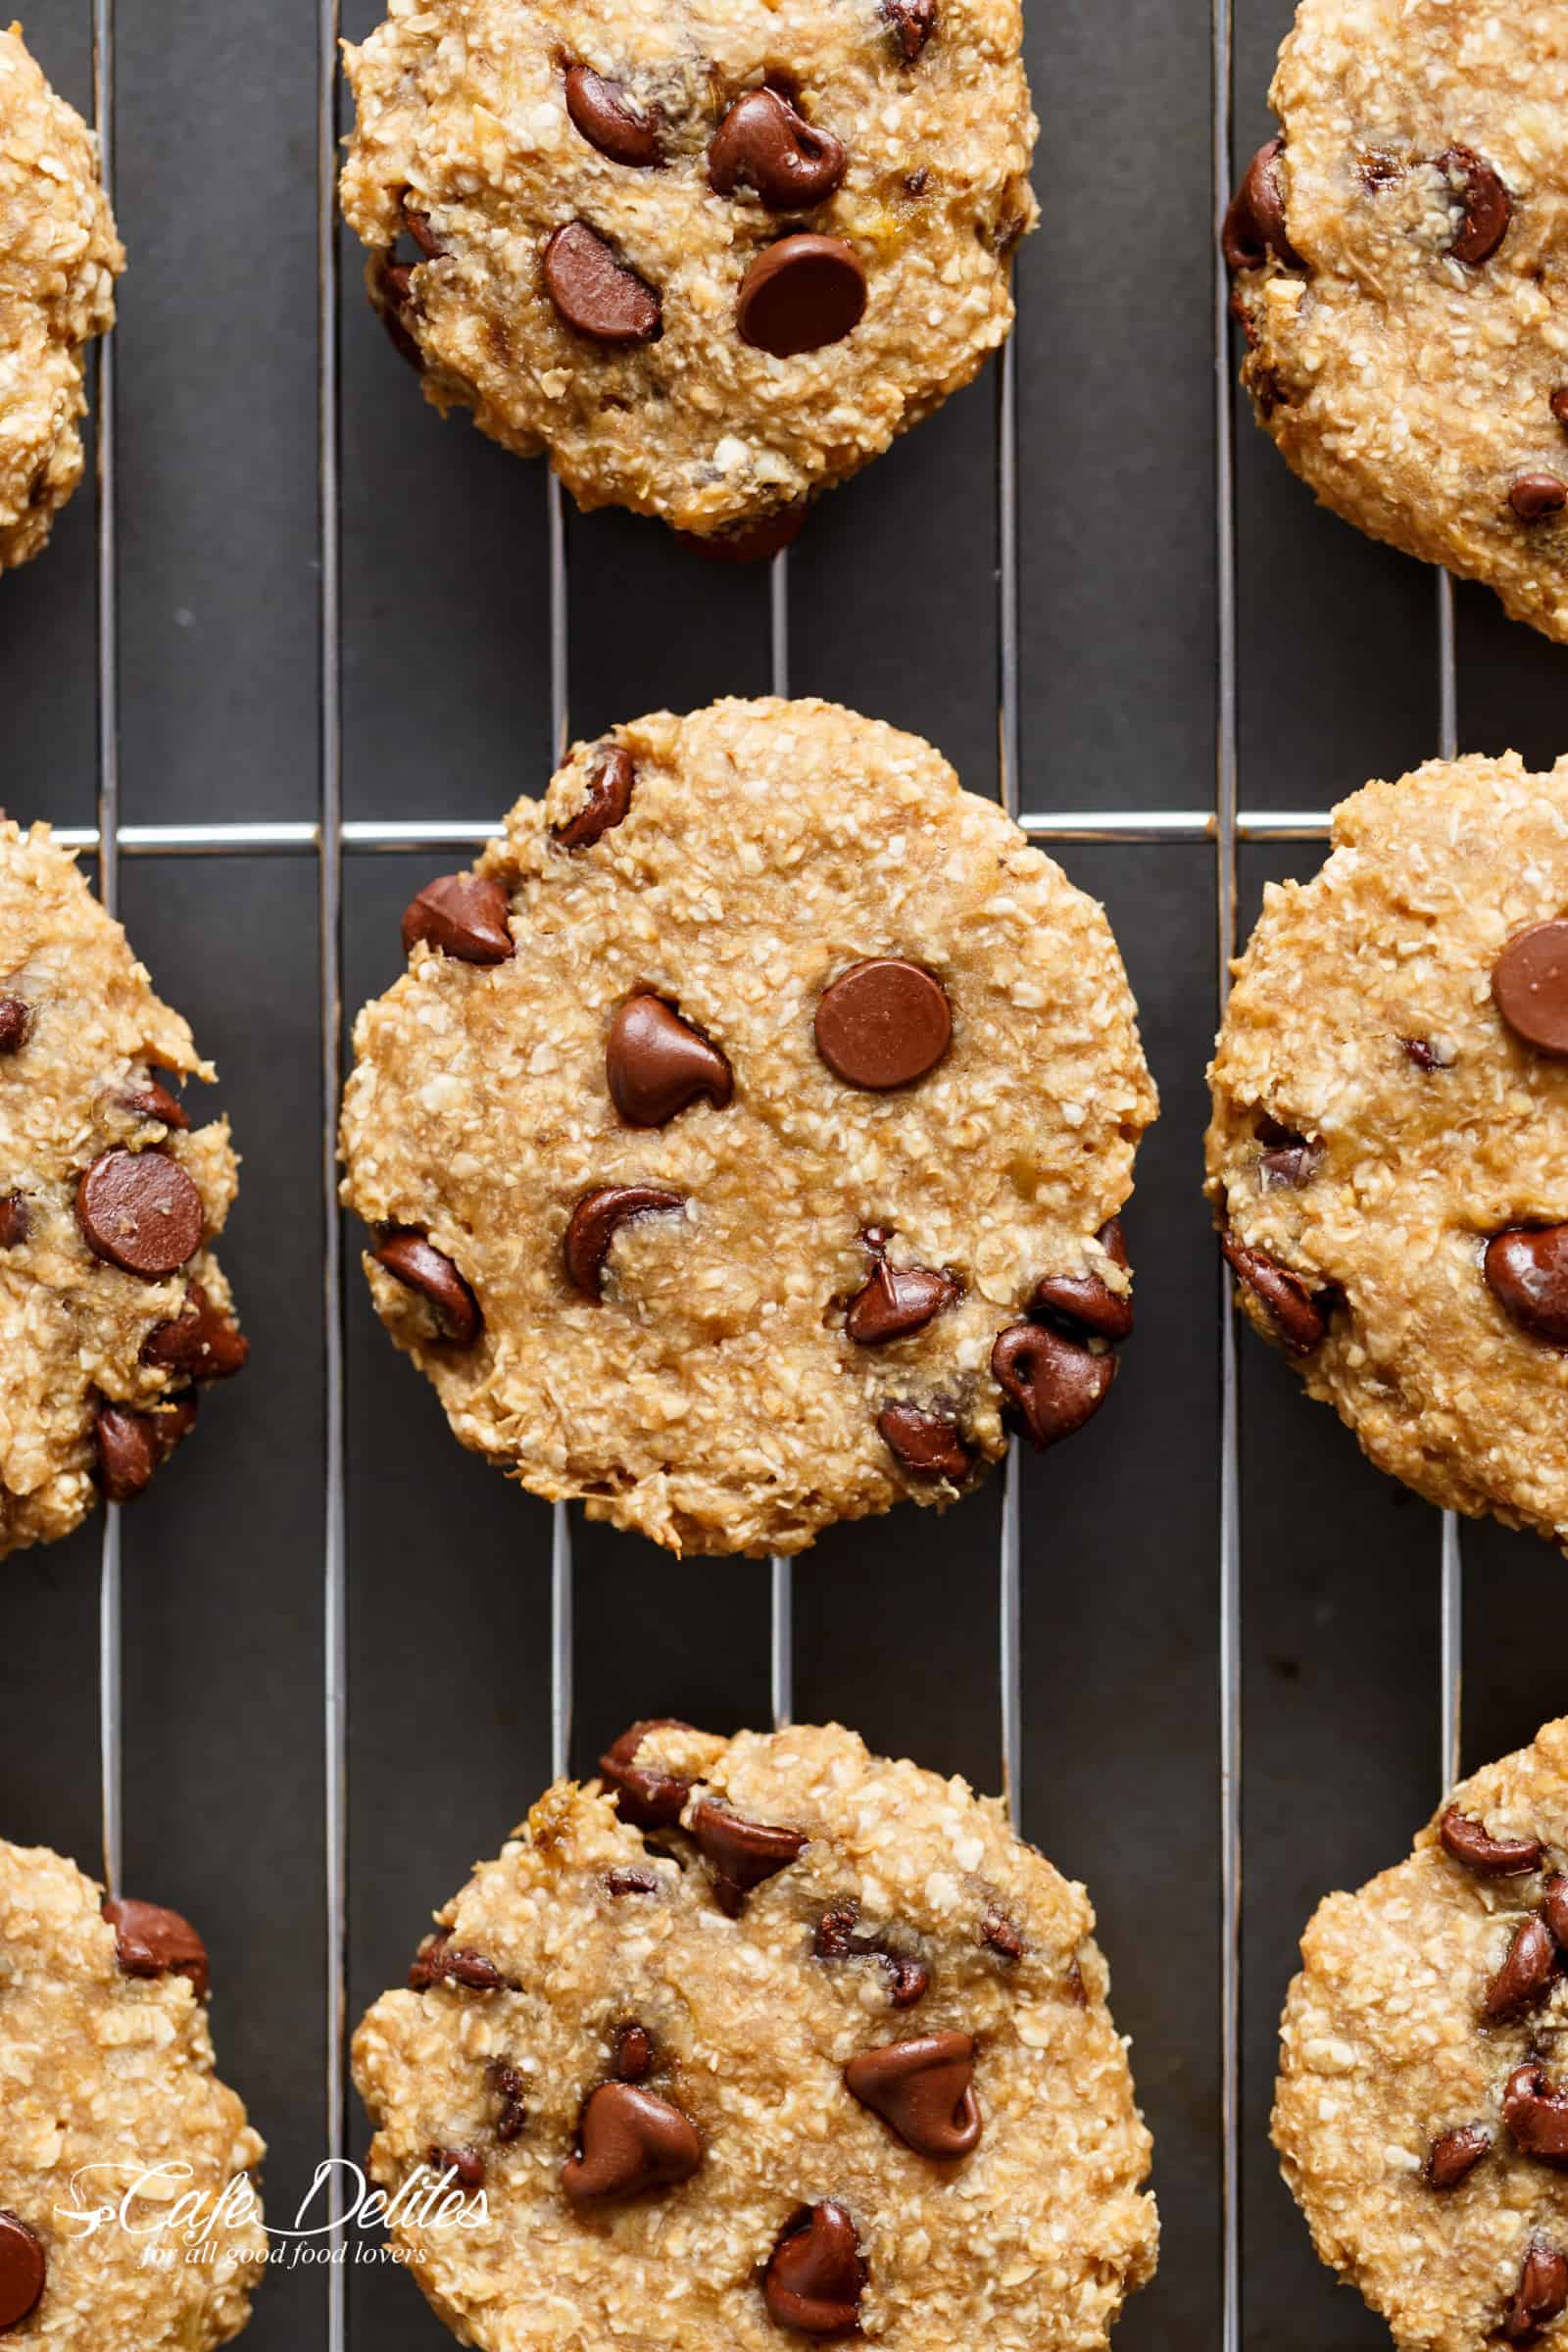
1450, 1605
562, 1581
781, 1610
1010, 784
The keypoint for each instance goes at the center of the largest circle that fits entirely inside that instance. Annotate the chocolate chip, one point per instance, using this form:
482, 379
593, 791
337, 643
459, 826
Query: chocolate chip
16, 1220
801, 294
1529, 986
911, 24
416, 1262
1527, 1974
998, 1931
149, 1941
649, 1799
131, 1446
609, 791
201, 1343
749, 542
418, 225
923, 2091
928, 1444
1488, 205
1424, 1055
884, 1023
656, 1064
510, 2088
595, 292
440, 1961
1554, 1910
629, 2141
1534, 495
1527, 1272
1471, 1842
1051, 1383
762, 143
141, 1213
1455, 2157
1292, 1161
608, 121
398, 307
1535, 2112
816, 2274
24, 2271
1290, 1303
597, 1219
1560, 405
153, 1101
463, 915
897, 1301
1084, 1301
1254, 225
634, 2054
463, 2163
838, 1938
742, 1854
15, 1019
1542, 2294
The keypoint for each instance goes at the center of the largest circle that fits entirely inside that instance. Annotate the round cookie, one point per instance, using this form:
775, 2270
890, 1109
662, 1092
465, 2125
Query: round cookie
127, 2211
112, 1306
1389, 1154
1422, 2108
712, 260
59, 258
750, 1130
798, 2041
1398, 268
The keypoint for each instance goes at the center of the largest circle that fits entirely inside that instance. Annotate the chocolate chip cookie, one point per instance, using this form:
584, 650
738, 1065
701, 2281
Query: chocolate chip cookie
758, 2041
1422, 2106
112, 1309
59, 258
1398, 252
1389, 1156
710, 260
746, 1138
128, 2212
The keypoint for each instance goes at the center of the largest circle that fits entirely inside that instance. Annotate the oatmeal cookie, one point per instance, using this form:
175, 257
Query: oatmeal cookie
112, 1306
1400, 253
764, 2039
712, 259
1422, 2106
1389, 1154
112, 2114
749, 1131
59, 258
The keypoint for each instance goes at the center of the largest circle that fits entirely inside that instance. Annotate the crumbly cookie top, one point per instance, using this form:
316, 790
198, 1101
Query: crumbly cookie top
1389, 1156
877, 161
824, 2044
1422, 2113
746, 1098
1403, 279
105, 2065
59, 258
110, 1302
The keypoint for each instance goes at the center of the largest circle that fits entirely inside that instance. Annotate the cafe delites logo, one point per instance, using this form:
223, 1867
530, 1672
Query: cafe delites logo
158, 2209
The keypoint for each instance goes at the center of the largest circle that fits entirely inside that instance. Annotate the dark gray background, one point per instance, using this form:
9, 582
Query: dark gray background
446, 712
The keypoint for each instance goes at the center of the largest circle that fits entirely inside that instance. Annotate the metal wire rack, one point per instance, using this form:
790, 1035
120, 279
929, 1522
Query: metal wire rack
330, 839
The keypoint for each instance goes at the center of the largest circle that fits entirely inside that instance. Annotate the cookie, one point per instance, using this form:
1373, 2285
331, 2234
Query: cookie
749, 1130
59, 258
1397, 253
127, 2211
1422, 2106
762, 2041
112, 1309
710, 260
1389, 1154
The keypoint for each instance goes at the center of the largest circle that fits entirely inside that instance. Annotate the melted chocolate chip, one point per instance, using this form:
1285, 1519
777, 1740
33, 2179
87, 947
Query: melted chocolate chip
649, 1799
1052, 1385
620, 1883
1085, 1303
816, 2274
510, 2088
911, 24
464, 915
923, 2091
149, 1941
1292, 1308
749, 542
16, 1220
1535, 2112
440, 1961
416, 1262
764, 143
596, 293
131, 1446
609, 791
998, 1931
153, 1101
24, 2271
1424, 1055
419, 226
1527, 1974
1292, 1160
801, 294
140, 1211
202, 1344
629, 2141
462, 2164
597, 1219
1529, 986
898, 1301
16, 1020
838, 1938
1540, 2296
1471, 1842
608, 121
1554, 1910
1534, 495
1254, 225
1455, 2157
742, 1854
1488, 205
884, 1023
656, 1064
1559, 405
927, 1445
634, 2054
1526, 1273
